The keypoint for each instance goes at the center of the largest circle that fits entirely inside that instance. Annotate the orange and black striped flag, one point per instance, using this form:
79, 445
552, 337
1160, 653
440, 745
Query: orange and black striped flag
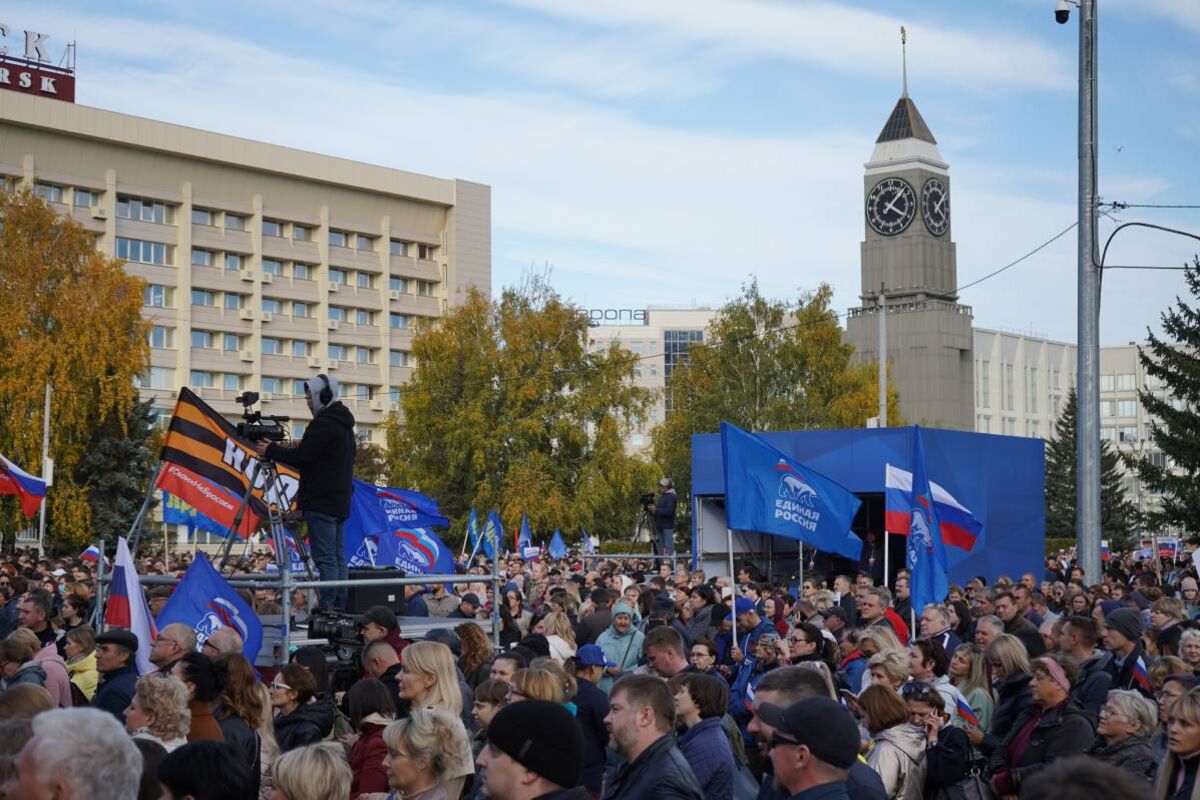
207, 466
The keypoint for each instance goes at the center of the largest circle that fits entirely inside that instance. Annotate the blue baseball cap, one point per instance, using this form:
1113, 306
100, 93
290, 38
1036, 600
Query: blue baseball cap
590, 655
743, 605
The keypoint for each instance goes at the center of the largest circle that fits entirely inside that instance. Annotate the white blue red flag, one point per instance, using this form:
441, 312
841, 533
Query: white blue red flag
91, 555
926, 555
127, 607
29, 490
959, 526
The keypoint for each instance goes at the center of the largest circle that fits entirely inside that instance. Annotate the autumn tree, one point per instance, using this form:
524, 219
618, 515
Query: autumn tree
116, 468
370, 462
69, 317
510, 408
766, 365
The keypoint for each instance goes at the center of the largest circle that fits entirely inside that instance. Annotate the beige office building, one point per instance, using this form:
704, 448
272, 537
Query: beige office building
264, 265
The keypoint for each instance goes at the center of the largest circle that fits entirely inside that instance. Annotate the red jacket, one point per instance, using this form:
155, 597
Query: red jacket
366, 761
898, 625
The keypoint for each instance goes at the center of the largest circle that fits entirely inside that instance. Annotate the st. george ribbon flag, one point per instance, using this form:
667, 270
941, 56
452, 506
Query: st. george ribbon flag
29, 489
926, 554
205, 602
769, 492
177, 512
960, 528
127, 607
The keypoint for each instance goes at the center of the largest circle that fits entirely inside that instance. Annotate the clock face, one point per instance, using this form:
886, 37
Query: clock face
891, 206
935, 206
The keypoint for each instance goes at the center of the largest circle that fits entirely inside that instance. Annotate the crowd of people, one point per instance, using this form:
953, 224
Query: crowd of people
622, 679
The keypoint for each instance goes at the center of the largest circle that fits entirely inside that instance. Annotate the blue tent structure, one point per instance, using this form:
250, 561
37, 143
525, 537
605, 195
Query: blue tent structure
999, 478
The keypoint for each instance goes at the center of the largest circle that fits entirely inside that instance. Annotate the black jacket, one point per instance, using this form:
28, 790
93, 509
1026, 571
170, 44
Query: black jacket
308, 724
1124, 676
1062, 731
1012, 699
1092, 684
591, 707
1131, 754
325, 458
659, 773
664, 511
947, 762
116, 691
591, 626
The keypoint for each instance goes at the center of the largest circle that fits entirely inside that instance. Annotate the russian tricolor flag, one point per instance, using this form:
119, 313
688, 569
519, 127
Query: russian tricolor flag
1140, 676
959, 526
30, 491
127, 607
91, 555
966, 713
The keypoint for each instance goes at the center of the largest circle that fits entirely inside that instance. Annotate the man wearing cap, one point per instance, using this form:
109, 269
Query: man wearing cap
812, 748
591, 707
116, 654
664, 521
753, 669
750, 626
468, 607
1123, 638
379, 625
641, 724
534, 750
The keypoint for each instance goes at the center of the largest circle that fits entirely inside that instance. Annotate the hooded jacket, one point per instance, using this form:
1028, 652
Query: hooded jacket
899, 758
325, 458
82, 670
308, 724
366, 757
625, 649
58, 682
29, 672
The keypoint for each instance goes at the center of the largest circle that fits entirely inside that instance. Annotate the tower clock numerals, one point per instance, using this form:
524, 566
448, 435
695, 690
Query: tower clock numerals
935, 206
891, 206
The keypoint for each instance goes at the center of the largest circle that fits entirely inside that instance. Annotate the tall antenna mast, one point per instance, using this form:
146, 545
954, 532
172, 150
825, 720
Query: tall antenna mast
904, 58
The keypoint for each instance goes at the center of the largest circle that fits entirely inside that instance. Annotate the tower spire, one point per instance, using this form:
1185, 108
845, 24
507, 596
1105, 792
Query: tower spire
904, 58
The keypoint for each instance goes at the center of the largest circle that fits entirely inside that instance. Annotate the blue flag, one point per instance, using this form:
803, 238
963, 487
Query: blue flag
925, 553
375, 510
588, 547
206, 603
768, 492
177, 512
417, 551
473, 531
524, 536
558, 548
493, 534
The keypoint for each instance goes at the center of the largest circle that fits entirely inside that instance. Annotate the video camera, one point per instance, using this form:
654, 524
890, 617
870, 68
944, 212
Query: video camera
257, 426
344, 634
647, 501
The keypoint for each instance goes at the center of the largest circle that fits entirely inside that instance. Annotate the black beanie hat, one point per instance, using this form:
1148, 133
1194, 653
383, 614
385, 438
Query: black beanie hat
541, 736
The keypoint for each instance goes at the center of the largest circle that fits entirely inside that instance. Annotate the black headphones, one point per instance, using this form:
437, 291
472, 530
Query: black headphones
326, 394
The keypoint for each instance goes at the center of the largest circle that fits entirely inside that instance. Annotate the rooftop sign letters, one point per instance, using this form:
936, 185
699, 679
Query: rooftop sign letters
28, 66
616, 316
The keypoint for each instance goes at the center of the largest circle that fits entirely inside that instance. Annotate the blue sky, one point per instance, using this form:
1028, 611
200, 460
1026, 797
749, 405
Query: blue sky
664, 151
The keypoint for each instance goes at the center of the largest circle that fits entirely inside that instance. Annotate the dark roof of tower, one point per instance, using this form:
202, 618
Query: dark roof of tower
905, 123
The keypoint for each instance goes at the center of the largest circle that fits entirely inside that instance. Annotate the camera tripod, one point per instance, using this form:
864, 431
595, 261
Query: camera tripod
275, 524
645, 528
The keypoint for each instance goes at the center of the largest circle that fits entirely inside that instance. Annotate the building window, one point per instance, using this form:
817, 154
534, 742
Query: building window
337, 276
1125, 382
338, 238
1127, 434
143, 210
302, 272
425, 288
202, 379
141, 251
298, 387
272, 306
202, 339
398, 358
234, 222
1007, 388
158, 296
985, 393
301, 309
48, 192
202, 216
84, 198
231, 342
1106, 408
337, 313
364, 317
397, 247
234, 261
202, 258
272, 267
366, 244
233, 382
1033, 390
1010, 426
1108, 434
157, 378
272, 227
301, 233
425, 251
203, 297
364, 355
399, 321
366, 280
162, 337
234, 301
337, 352
1106, 383
272, 346
299, 348
1126, 408
272, 385
397, 284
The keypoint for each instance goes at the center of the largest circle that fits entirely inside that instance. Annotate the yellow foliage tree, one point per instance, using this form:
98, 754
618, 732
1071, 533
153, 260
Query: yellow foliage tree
71, 318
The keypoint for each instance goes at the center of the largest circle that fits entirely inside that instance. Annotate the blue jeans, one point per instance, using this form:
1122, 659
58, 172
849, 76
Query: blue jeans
666, 546
327, 539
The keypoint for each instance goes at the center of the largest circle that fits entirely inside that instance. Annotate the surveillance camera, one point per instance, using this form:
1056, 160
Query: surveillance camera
1062, 12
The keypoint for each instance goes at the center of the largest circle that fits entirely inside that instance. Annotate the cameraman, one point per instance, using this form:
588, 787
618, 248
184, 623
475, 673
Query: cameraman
664, 521
325, 458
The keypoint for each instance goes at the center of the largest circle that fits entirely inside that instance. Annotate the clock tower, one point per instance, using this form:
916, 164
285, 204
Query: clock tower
909, 256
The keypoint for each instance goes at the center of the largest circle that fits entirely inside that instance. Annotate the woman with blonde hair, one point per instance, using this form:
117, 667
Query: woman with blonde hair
1011, 674
1183, 747
968, 673
872, 641
429, 680
423, 755
160, 711
536, 684
556, 627
569, 685
80, 646
313, 772
889, 668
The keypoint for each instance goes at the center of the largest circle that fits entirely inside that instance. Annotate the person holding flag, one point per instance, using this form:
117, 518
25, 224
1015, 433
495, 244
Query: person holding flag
1123, 628
925, 552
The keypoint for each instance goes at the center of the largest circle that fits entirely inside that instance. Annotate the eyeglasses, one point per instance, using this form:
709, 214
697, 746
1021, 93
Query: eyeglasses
797, 640
277, 686
917, 691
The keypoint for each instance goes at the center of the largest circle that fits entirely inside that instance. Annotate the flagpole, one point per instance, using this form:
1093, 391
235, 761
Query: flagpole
135, 530
887, 573
98, 612
733, 583
45, 460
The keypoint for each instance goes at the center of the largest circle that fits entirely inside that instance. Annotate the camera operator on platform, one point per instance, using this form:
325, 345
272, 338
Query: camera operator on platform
664, 520
325, 458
